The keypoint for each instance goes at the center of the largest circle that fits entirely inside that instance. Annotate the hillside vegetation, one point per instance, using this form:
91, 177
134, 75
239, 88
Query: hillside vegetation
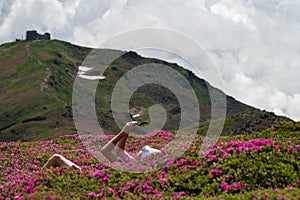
264, 165
36, 84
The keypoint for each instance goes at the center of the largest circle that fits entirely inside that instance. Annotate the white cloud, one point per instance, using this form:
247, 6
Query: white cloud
293, 108
235, 11
44, 15
254, 43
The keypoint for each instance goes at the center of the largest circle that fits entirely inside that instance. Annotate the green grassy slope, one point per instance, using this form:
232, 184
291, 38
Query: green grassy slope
36, 86
36, 82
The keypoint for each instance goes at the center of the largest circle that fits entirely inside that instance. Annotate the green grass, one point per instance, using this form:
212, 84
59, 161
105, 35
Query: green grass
22, 75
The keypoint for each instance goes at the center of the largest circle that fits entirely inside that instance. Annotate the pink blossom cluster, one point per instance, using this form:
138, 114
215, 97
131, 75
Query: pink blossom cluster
238, 147
227, 187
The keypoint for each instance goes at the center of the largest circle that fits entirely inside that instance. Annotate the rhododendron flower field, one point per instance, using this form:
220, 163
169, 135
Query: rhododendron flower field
262, 165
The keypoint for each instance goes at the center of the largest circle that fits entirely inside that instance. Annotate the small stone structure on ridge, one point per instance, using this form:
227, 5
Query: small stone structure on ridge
34, 35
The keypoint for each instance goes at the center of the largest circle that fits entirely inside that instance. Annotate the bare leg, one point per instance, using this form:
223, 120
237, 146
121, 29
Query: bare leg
106, 149
119, 139
58, 160
121, 149
121, 144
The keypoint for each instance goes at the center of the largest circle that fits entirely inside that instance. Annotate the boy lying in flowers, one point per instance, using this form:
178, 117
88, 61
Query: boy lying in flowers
118, 141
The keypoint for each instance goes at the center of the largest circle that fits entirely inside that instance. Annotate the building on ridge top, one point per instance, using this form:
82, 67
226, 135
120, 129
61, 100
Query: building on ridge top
34, 35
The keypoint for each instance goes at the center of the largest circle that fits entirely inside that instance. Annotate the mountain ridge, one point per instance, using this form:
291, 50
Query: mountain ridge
36, 82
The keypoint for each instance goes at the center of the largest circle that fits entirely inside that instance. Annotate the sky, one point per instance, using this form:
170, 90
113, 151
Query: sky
255, 44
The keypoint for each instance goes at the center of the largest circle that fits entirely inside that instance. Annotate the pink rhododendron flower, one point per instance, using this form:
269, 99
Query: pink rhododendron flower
290, 187
258, 148
230, 176
163, 180
266, 195
92, 194
213, 158
225, 186
215, 171
101, 192
239, 186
